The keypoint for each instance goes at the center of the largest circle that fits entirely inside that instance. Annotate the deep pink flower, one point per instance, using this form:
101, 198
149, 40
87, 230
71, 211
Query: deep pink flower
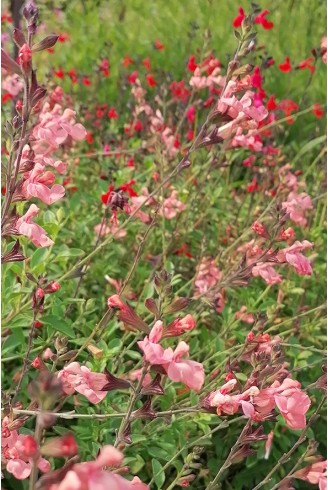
34, 232
293, 408
180, 326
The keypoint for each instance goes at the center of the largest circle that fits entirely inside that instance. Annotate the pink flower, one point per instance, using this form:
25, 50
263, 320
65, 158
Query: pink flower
243, 316
180, 326
316, 474
172, 206
267, 272
79, 378
13, 84
191, 373
293, 256
91, 475
293, 408
36, 186
34, 232
296, 205
208, 275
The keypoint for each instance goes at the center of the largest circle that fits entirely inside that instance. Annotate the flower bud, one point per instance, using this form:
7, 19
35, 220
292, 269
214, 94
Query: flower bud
25, 58
19, 38
46, 43
60, 447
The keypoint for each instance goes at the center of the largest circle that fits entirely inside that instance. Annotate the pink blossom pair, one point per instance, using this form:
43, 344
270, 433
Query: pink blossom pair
191, 373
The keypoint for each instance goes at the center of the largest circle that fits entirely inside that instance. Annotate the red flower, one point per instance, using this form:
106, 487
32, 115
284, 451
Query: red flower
63, 37
112, 114
86, 81
190, 135
106, 197
158, 45
6, 18
59, 73
191, 65
130, 162
317, 110
138, 125
3, 190
261, 19
269, 62
239, 19
253, 186
127, 61
256, 78
133, 77
38, 324
183, 250
179, 91
286, 66
128, 188
51, 50
5, 98
73, 75
271, 104
308, 63
151, 80
191, 114
146, 63
89, 137
208, 102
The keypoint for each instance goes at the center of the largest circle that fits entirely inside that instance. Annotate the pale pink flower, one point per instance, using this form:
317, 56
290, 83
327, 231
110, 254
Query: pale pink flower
292, 403
13, 84
34, 232
112, 228
316, 474
172, 206
200, 81
267, 272
191, 373
294, 257
169, 140
296, 206
79, 378
268, 444
244, 316
207, 275
36, 185
92, 476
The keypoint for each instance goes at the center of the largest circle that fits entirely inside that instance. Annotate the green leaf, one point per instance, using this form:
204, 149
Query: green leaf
70, 252
39, 257
59, 325
158, 473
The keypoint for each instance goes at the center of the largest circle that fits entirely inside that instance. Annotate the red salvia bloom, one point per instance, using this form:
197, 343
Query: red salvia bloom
253, 186
5, 98
127, 61
73, 75
151, 80
146, 63
239, 19
130, 162
133, 77
86, 81
128, 188
257, 78
63, 37
318, 110
158, 45
192, 65
106, 196
5, 17
138, 125
179, 91
89, 137
271, 104
112, 114
59, 73
286, 66
307, 64
261, 19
